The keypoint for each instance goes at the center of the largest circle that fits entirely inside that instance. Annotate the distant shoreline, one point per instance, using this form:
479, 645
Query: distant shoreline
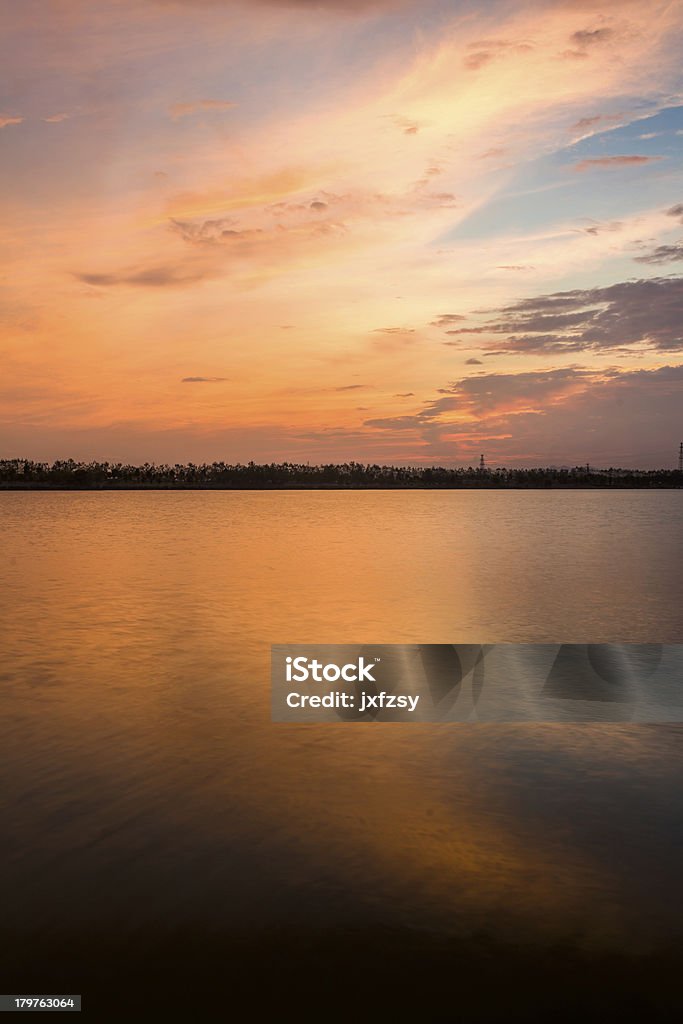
483, 486
68, 475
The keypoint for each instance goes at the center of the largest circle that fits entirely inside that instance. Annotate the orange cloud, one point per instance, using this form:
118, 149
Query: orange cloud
178, 110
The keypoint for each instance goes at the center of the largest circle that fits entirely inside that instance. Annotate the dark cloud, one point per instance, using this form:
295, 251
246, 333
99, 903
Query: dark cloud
567, 414
663, 254
491, 391
203, 380
473, 362
586, 37
537, 322
676, 211
317, 205
350, 387
488, 393
610, 162
405, 394
644, 312
148, 277
446, 319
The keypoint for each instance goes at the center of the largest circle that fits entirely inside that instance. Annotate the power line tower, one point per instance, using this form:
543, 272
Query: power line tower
680, 457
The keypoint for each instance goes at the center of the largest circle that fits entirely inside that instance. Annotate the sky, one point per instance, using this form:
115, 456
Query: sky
370, 230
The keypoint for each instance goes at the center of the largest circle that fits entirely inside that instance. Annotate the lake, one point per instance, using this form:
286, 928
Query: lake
161, 835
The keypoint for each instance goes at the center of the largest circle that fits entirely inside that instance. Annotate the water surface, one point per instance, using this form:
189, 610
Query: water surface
146, 788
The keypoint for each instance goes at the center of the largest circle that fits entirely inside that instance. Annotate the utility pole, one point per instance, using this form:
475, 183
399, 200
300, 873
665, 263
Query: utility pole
680, 457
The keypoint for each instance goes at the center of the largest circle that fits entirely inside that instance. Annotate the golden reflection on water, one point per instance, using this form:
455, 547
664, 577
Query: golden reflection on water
136, 635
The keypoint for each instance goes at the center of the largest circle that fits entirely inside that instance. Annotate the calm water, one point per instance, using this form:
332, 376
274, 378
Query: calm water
144, 784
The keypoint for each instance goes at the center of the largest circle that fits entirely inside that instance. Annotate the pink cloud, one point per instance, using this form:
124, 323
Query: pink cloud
614, 161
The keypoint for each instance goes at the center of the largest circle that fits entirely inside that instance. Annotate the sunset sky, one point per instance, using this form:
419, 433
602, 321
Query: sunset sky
347, 229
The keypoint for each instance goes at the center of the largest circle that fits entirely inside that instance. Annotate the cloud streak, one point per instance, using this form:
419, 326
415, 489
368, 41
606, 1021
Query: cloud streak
613, 162
166, 276
178, 110
203, 380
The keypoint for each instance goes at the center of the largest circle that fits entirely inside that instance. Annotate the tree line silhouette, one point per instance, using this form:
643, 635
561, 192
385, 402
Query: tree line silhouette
19, 474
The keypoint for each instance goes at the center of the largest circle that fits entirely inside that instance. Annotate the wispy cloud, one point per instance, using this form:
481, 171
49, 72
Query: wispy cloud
178, 110
148, 277
612, 162
406, 125
203, 380
446, 319
5, 121
484, 51
600, 228
394, 330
